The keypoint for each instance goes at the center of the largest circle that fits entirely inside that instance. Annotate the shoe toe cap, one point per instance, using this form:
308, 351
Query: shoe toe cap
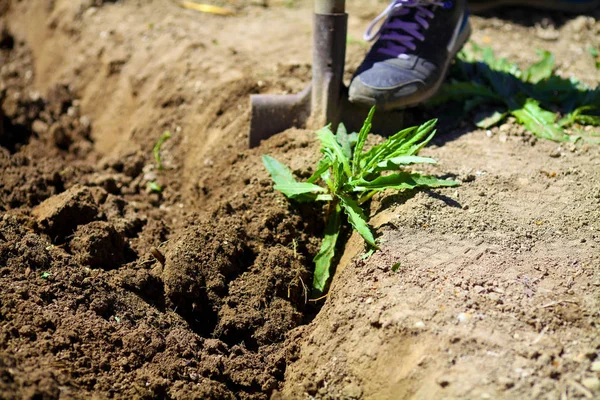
382, 84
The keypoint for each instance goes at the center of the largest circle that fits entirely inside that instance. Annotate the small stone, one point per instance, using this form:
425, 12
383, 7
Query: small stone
39, 127
506, 383
420, 325
464, 317
352, 391
595, 366
555, 153
495, 297
479, 289
591, 383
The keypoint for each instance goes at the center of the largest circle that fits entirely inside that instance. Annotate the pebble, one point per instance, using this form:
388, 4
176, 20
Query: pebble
352, 391
420, 325
495, 297
555, 153
591, 383
595, 366
464, 317
506, 383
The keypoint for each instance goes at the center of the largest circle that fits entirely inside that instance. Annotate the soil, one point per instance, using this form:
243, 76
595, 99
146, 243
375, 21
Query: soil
112, 289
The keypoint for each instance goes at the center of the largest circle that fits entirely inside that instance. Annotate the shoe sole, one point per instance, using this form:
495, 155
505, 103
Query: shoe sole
421, 97
573, 8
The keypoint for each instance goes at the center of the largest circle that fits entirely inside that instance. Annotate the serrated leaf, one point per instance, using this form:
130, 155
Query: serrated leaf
361, 140
488, 119
541, 70
285, 182
540, 122
327, 250
407, 142
401, 181
357, 219
332, 148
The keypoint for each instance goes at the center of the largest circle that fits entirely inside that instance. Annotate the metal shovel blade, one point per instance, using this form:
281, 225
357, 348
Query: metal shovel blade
272, 114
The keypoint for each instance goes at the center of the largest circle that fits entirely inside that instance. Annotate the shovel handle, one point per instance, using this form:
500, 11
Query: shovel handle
330, 6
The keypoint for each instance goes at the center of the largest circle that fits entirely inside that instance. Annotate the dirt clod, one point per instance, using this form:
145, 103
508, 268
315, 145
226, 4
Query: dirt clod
60, 215
98, 245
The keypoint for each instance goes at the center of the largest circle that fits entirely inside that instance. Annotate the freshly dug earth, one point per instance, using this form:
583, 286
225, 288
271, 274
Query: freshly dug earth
111, 290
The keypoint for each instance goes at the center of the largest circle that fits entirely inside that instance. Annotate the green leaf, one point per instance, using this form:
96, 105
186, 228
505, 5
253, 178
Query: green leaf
285, 182
579, 116
156, 151
395, 163
332, 148
325, 255
357, 219
541, 70
488, 119
154, 187
347, 141
407, 142
46, 275
540, 122
322, 167
361, 140
400, 181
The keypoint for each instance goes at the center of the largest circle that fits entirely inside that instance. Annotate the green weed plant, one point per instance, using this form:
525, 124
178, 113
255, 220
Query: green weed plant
348, 175
547, 105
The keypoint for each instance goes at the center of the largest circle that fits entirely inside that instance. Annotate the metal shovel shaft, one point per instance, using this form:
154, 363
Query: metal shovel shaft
329, 54
320, 103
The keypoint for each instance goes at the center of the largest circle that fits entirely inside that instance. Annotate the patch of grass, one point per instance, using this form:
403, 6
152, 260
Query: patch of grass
547, 105
156, 151
349, 176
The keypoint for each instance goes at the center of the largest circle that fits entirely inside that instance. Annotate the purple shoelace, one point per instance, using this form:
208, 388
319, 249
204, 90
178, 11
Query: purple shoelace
392, 41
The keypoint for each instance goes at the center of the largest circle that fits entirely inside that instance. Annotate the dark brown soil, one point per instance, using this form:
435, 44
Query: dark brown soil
95, 300
109, 289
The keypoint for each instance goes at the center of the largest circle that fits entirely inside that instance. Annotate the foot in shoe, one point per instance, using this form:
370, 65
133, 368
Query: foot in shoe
415, 42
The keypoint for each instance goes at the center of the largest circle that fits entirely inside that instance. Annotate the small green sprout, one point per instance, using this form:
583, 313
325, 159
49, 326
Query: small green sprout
46, 275
154, 187
396, 267
156, 151
350, 176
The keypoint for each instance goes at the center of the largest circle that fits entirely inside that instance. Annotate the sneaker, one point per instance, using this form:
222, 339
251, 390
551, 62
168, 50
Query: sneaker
415, 44
573, 6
